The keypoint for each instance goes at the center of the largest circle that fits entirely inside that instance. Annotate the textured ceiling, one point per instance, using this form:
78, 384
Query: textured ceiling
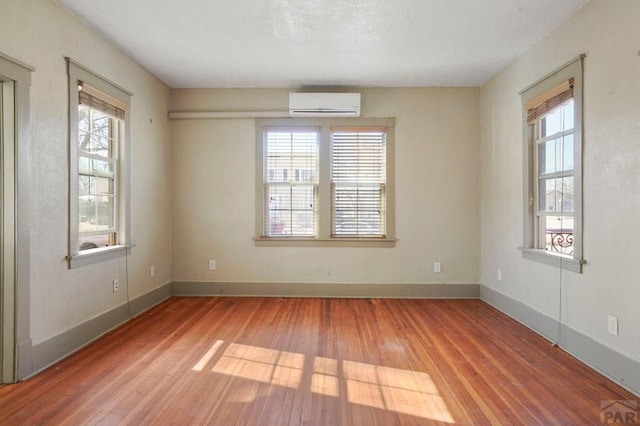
294, 43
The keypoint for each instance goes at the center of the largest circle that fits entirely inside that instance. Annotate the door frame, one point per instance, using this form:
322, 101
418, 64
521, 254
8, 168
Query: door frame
15, 346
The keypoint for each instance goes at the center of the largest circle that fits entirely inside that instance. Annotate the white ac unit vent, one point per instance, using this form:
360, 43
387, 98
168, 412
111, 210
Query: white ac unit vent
324, 104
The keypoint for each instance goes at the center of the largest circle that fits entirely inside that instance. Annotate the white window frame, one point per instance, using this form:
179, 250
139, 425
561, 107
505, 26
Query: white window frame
359, 176
282, 181
533, 247
79, 74
324, 203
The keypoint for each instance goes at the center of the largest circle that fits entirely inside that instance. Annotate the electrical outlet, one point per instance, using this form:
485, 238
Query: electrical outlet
212, 265
116, 285
437, 267
613, 325
152, 271
499, 274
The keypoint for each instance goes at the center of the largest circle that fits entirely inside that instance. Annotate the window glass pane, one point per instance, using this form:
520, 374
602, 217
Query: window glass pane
552, 122
291, 158
558, 232
547, 195
566, 161
555, 155
358, 209
91, 185
559, 119
94, 144
279, 197
88, 242
547, 154
91, 166
358, 156
291, 210
95, 132
95, 185
96, 213
84, 118
556, 195
568, 115
84, 164
567, 195
302, 210
84, 184
96, 178
358, 172
291, 151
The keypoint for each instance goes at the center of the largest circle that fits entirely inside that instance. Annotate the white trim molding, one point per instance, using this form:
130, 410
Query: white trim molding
15, 76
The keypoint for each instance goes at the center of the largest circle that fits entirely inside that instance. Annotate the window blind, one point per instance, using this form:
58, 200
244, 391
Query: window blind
291, 181
92, 98
540, 106
358, 179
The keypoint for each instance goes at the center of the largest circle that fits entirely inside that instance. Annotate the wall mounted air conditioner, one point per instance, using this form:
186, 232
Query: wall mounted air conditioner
324, 104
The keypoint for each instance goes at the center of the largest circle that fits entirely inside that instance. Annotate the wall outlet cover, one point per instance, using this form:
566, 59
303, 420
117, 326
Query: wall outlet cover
612, 325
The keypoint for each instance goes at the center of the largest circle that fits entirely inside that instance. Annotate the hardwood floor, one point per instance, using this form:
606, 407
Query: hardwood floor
274, 361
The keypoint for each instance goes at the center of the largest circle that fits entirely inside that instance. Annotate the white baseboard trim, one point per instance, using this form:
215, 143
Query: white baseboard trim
64, 344
614, 365
50, 351
347, 290
619, 368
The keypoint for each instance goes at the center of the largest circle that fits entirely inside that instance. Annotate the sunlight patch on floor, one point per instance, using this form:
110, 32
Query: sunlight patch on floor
324, 379
386, 388
207, 357
402, 391
261, 364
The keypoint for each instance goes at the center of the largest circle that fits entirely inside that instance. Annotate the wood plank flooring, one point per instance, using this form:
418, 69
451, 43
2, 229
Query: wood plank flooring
275, 361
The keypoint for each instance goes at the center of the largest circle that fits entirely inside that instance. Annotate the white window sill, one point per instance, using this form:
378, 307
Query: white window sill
329, 242
88, 257
557, 260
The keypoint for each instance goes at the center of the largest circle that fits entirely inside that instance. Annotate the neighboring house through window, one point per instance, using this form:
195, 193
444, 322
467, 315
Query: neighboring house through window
325, 181
290, 198
553, 156
98, 178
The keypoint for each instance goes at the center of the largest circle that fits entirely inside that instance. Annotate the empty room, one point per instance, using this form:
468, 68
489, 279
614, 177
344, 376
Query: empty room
319, 212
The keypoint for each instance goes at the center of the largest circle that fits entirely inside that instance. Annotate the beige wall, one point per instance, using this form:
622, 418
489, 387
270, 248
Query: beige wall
193, 199
609, 34
437, 193
41, 34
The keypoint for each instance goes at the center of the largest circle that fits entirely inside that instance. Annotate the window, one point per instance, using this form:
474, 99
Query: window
98, 190
553, 134
358, 177
290, 198
98, 136
553, 155
324, 182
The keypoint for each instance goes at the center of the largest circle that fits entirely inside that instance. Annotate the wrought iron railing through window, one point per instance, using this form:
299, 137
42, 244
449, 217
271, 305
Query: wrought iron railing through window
560, 241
